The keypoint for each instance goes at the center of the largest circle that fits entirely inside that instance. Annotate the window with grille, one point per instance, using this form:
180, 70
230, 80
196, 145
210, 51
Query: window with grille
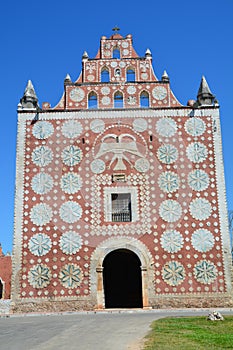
121, 207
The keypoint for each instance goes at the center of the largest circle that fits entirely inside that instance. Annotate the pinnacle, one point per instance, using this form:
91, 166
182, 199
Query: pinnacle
30, 91
148, 53
165, 77
204, 87
205, 96
67, 77
29, 99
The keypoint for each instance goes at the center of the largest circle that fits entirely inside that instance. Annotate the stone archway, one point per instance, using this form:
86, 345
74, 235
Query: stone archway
97, 266
122, 279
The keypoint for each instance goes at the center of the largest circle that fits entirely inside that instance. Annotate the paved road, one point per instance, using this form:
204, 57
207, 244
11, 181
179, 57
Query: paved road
83, 331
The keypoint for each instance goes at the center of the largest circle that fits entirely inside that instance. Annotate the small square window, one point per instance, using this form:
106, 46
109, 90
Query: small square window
121, 207
121, 204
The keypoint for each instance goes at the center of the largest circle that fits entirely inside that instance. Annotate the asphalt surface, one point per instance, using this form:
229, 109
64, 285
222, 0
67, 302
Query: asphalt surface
116, 330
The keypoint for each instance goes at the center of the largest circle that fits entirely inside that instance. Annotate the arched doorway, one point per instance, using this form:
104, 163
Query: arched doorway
122, 279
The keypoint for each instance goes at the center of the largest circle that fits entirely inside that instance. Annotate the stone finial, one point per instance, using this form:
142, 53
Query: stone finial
148, 53
191, 103
29, 91
165, 77
29, 99
85, 55
19, 106
67, 79
205, 96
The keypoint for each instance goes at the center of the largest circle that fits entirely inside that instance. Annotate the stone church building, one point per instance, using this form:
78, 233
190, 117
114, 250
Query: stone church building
120, 193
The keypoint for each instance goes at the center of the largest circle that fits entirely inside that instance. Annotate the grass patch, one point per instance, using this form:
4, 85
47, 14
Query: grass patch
190, 333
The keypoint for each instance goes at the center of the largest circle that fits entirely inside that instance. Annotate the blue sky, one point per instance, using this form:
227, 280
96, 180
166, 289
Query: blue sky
45, 40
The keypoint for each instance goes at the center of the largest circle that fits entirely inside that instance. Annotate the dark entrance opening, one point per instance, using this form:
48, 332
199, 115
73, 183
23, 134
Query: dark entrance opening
122, 280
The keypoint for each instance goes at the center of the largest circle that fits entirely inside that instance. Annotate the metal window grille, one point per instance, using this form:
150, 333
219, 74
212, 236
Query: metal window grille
121, 207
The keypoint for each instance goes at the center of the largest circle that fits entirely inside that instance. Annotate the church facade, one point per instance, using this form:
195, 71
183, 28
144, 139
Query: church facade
120, 192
